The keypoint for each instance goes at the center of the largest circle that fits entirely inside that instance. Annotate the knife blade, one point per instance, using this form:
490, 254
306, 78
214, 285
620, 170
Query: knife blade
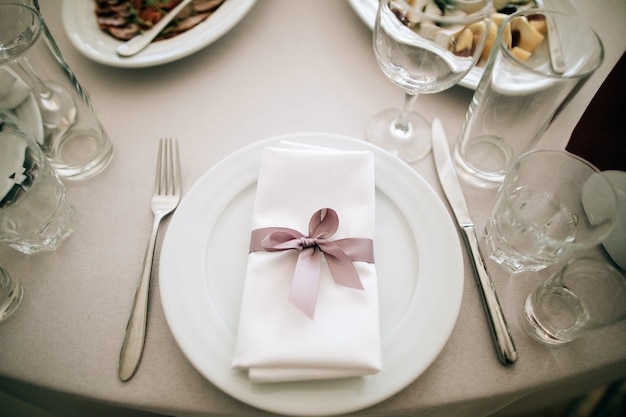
505, 347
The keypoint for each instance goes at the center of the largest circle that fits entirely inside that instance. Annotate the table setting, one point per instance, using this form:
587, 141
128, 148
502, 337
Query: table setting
297, 265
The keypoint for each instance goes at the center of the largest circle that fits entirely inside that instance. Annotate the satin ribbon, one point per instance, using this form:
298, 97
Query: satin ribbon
339, 255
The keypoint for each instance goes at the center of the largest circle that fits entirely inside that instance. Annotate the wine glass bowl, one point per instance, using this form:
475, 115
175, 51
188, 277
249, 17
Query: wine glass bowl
423, 47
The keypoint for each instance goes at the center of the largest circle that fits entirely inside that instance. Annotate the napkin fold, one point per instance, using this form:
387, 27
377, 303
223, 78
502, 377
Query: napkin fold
276, 339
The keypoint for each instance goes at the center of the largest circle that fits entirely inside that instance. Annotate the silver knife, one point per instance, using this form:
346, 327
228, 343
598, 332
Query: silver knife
454, 194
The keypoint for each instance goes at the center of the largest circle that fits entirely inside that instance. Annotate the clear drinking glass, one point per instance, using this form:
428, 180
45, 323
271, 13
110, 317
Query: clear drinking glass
586, 294
522, 90
35, 214
551, 206
423, 47
73, 138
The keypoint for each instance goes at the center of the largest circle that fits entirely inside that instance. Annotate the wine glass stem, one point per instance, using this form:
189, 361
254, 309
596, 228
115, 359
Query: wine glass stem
27, 72
402, 124
57, 107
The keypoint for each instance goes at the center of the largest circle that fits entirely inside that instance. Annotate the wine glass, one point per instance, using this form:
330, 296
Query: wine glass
423, 46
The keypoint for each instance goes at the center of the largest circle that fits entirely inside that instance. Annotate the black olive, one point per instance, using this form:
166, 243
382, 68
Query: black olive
509, 9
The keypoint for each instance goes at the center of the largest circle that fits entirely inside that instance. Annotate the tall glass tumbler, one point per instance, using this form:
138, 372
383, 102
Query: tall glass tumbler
73, 138
539, 61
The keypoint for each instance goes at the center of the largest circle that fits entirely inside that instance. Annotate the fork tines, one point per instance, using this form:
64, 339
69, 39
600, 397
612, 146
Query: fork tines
167, 180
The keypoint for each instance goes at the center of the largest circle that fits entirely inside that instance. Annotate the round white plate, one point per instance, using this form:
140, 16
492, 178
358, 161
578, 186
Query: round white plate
366, 10
82, 28
418, 260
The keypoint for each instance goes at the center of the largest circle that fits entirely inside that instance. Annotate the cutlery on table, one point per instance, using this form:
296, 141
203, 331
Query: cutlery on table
139, 42
505, 347
166, 196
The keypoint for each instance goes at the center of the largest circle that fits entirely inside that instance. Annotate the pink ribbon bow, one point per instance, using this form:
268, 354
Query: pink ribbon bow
339, 255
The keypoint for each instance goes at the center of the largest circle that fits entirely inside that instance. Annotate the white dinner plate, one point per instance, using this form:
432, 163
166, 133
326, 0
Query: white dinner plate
366, 10
418, 260
82, 28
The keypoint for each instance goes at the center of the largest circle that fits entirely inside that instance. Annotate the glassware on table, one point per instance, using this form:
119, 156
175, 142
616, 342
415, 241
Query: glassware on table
585, 294
522, 90
73, 138
423, 47
35, 214
11, 293
551, 206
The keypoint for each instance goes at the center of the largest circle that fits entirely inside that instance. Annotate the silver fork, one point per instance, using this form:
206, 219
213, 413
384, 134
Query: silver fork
166, 196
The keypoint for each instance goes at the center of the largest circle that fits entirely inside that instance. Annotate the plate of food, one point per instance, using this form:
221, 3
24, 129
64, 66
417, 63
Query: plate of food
96, 28
366, 11
419, 265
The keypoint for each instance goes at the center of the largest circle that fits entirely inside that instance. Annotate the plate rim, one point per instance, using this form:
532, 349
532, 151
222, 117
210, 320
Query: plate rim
403, 375
163, 52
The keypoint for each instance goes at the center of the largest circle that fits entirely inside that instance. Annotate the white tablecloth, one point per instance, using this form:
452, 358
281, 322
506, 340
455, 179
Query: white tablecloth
287, 67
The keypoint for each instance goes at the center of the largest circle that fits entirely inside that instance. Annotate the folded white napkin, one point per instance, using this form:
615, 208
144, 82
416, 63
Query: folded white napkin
276, 340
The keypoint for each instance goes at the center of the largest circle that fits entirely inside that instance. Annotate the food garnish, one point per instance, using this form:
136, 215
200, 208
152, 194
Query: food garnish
124, 19
522, 36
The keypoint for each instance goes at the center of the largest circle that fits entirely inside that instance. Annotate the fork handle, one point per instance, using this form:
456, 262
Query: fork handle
135, 336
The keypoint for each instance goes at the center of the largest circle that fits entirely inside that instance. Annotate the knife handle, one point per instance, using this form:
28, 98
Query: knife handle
507, 353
